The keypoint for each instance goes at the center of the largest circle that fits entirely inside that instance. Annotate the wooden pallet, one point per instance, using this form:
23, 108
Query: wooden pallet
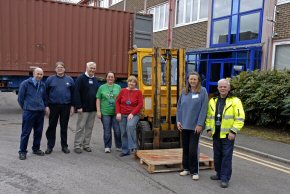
167, 160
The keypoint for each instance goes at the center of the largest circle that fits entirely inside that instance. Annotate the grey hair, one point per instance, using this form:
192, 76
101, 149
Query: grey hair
224, 80
89, 64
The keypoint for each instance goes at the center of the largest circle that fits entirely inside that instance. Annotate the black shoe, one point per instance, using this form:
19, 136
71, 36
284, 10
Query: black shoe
48, 151
87, 149
122, 154
38, 152
224, 184
65, 150
214, 177
22, 156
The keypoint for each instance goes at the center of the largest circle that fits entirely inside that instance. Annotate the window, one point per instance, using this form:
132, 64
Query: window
221, 29
189, 11
249, 26
115, 2
236, 22
104, 3
279, 2
160, 17
222, 8
247, 5
147, 71
281, 56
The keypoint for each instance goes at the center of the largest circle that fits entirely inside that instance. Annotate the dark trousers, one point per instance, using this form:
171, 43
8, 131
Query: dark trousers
31, 119
223, 154
61, 112
190, 159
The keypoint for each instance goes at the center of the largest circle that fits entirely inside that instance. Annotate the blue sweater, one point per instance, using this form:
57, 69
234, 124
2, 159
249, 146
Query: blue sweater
85, 93
192, 109
30, 97
59, 89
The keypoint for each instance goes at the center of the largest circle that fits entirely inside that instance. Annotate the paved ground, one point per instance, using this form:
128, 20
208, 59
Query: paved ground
98, 172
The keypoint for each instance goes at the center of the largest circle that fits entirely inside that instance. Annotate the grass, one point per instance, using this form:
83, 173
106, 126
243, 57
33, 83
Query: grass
267, 133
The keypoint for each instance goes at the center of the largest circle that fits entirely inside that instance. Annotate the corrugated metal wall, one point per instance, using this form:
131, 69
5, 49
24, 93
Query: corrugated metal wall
39, 33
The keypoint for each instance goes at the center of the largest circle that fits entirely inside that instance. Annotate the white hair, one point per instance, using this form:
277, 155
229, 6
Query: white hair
224, 80
89, 64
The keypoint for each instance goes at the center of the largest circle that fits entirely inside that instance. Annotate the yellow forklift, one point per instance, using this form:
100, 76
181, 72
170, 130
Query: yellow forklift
161, 77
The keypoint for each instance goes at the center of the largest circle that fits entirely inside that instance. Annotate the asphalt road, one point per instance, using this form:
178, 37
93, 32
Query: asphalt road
97, 172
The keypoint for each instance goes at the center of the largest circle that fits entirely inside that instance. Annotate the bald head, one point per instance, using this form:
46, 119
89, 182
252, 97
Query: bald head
38, 73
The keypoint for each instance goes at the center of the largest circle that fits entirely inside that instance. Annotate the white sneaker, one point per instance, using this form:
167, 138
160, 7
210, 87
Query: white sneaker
107, 150
119, 149
195, 177
184, 173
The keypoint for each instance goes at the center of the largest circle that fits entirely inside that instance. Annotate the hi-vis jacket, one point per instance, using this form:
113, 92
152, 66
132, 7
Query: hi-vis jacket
232, 118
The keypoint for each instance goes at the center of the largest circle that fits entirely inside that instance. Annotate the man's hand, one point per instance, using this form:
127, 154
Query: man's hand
47, 111
209, 133
179, 126
72, 110
231, 136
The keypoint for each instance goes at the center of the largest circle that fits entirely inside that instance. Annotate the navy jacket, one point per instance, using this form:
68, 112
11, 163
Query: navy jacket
85, 93
60, 89
32, 98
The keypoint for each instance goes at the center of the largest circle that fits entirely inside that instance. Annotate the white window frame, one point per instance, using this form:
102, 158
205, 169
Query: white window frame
275, 44
280, 2
183, 23
165, 25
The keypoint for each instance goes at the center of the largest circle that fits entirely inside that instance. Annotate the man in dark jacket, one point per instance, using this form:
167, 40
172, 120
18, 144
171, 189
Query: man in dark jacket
33, 101
85, 102
59, 89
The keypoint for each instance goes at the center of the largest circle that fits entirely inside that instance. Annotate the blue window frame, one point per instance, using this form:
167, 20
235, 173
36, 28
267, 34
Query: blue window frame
214, 64
243, 23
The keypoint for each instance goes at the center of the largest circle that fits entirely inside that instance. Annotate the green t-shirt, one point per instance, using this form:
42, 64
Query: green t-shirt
108, 96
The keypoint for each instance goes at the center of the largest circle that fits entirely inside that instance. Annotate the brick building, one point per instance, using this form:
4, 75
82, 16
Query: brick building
281, 40
222, 37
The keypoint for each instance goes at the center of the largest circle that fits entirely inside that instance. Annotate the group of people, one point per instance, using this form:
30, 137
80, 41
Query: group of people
59, 97
222, 117
119, 109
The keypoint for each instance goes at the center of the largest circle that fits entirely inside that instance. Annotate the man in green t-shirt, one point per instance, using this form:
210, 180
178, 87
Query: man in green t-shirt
106, 111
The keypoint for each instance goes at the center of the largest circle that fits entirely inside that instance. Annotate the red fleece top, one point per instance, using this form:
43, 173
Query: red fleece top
133, 96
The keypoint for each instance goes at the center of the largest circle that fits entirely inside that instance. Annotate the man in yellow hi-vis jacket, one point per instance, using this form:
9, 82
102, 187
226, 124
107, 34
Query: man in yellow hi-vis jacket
225, 118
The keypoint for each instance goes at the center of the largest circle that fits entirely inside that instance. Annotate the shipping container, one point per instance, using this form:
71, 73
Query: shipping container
38, 33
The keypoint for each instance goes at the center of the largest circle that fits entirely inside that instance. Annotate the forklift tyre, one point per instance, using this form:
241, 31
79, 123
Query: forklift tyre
144, 134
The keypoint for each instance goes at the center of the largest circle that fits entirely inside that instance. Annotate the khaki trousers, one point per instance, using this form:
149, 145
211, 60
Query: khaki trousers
84, 129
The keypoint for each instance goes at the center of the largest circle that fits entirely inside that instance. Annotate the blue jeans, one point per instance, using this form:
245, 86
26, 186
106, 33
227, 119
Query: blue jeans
128, 133
223, 154
110, 121
31, 119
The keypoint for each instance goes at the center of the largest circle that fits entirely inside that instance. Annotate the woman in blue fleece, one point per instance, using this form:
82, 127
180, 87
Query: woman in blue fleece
191, 114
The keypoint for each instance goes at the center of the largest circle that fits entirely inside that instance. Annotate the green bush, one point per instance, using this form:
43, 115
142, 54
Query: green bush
265, 96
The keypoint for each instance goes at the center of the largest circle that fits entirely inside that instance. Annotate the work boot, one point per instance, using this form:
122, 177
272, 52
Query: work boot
48, 151
65, 150
22, 156
224, 184
38, 152
214, 177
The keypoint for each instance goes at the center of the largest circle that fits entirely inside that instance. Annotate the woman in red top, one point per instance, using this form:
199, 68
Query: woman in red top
128, 107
